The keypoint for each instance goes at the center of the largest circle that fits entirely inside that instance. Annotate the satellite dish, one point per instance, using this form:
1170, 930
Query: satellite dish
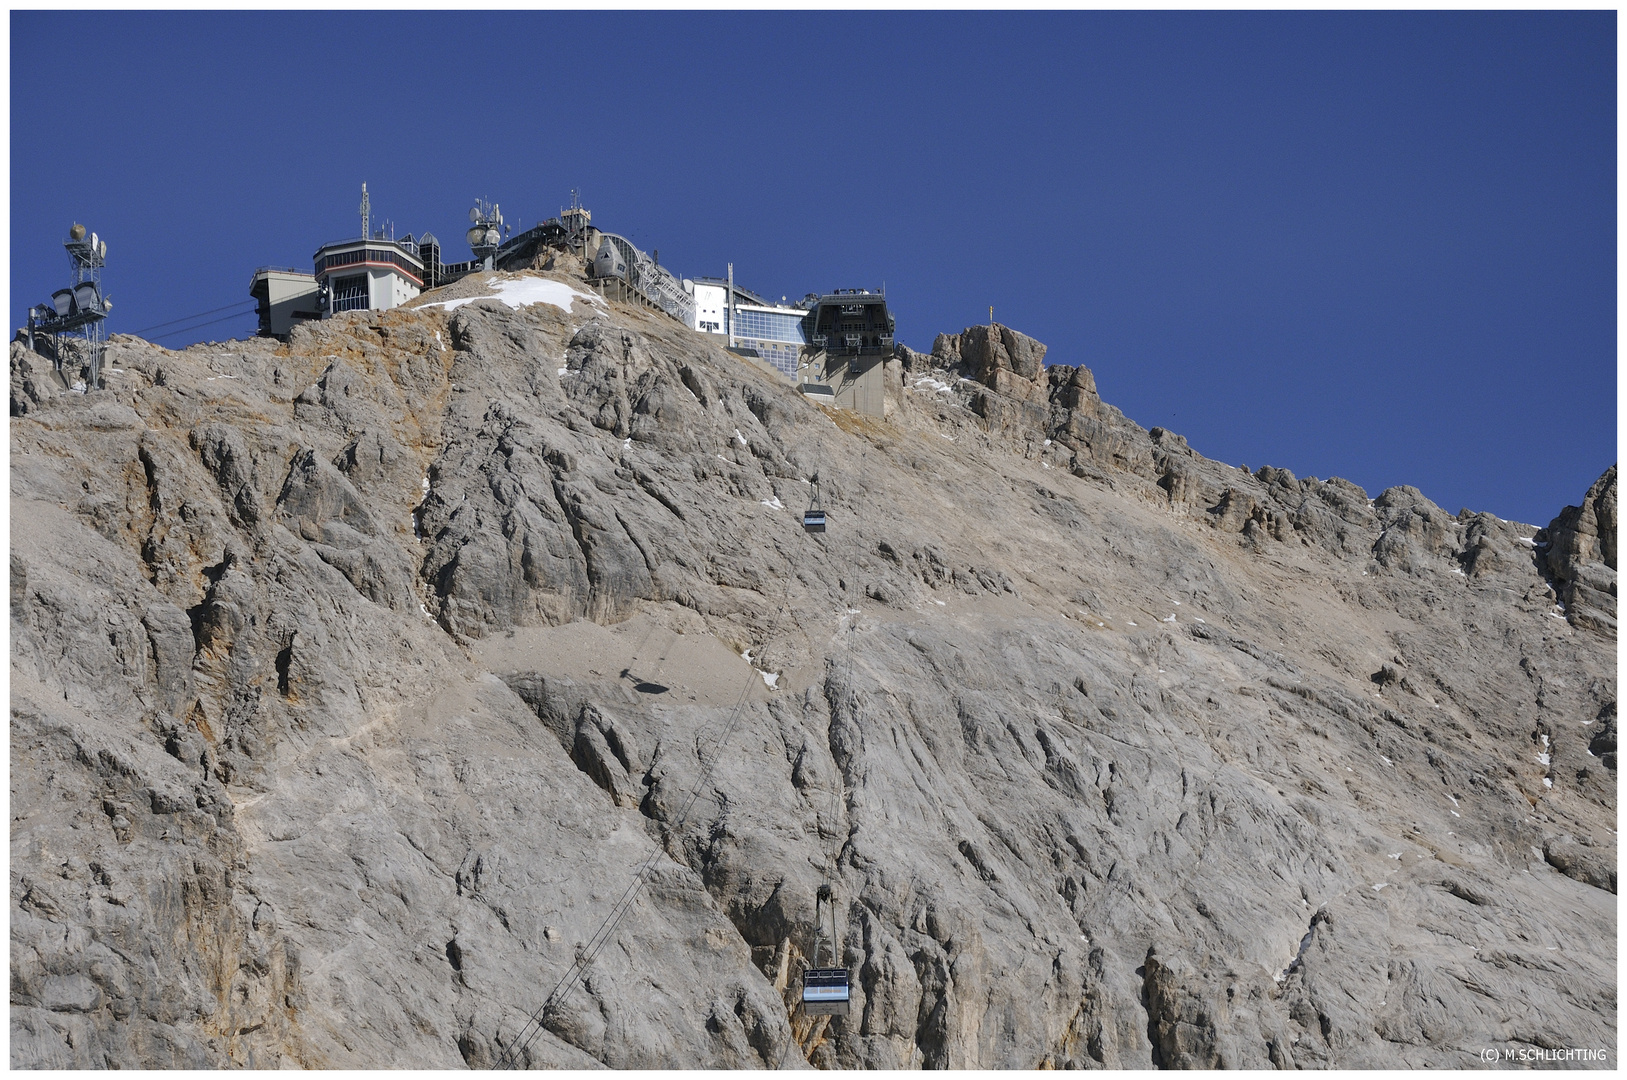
77, 232
475, 235
474, 213
492, 238
107, 303
103, 251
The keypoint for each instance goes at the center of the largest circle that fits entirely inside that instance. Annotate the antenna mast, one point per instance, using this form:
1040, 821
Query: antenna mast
78, 310
367, 214
485, 237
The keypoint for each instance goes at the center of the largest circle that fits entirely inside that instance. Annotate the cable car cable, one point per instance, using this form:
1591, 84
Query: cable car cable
200, 326
189, 318
247, 304
602, 936
587, 953
827, 991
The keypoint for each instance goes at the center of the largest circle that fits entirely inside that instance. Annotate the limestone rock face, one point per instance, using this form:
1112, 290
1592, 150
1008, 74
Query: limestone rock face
1003, 359
357, 682
1581, 555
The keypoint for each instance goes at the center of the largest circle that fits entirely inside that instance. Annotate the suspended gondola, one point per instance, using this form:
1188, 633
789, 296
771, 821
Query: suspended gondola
813, 518
825, 989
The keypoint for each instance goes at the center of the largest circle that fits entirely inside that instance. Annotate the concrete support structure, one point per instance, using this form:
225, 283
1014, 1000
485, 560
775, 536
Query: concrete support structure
845, 382
614, 288
287, 298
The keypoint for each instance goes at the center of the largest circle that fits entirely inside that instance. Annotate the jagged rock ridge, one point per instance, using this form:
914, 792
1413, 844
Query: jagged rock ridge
352, 678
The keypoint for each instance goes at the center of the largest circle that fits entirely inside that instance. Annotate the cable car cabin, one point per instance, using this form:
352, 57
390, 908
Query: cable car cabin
824, 991
853, 322
813, 519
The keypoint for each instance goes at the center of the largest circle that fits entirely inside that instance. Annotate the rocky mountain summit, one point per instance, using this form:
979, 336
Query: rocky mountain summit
354, 679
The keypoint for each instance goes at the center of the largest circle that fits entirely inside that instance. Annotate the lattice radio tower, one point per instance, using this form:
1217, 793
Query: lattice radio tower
77, 313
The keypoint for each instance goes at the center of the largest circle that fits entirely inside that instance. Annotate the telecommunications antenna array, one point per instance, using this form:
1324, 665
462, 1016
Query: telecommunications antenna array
72, 320
486, 233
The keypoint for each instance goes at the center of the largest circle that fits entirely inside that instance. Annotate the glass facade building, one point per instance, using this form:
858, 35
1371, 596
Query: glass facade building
776, 334
769, 325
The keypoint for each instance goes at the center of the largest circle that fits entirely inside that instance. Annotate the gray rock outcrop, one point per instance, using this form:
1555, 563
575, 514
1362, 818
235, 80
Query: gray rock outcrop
354, 679
1580, 555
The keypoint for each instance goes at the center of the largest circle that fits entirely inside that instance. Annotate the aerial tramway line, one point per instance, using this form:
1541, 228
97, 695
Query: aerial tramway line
825, 991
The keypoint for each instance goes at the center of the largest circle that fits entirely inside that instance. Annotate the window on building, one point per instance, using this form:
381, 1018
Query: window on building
771, 325
350, 293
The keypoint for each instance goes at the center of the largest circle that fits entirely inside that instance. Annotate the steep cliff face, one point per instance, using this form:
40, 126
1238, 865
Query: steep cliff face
353, 680
1579, 548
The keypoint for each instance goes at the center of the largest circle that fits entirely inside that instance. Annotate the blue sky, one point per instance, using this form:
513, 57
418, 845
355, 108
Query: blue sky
1372, 245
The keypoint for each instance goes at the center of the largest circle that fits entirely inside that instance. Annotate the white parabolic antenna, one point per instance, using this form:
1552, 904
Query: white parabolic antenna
474, 214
